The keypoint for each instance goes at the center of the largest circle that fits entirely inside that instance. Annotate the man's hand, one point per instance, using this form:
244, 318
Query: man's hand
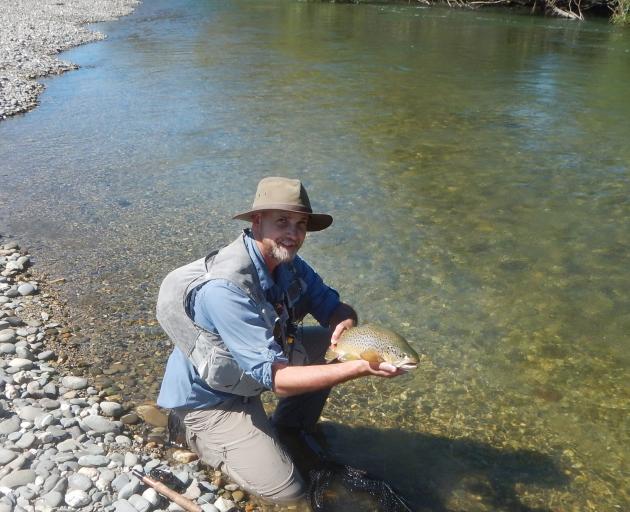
344, 317
342, 326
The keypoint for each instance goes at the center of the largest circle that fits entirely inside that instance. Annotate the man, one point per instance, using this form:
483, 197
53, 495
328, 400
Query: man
233, 317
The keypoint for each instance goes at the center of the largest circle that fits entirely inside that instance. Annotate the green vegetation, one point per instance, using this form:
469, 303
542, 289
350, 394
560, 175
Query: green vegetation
621, 13
572, 9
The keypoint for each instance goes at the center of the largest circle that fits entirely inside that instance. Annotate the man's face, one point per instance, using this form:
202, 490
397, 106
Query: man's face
280, 233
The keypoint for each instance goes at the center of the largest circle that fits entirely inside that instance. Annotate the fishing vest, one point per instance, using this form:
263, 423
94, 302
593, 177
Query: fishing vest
206, 350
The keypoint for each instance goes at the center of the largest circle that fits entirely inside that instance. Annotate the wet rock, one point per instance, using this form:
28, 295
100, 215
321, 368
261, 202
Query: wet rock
152, 415
111, 409
184, 456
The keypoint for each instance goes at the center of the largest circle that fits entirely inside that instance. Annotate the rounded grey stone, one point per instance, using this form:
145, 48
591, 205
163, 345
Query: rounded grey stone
21, 363
6, 456
7, 336
53, 499
151, 496
129, 489
131, 459
93, 461
79, 481
26, 441
10, 425
46, 355
26, 289
7, 348
120, 481
30, 412
18, 478
101, 425
122, 505
73, 382
77, 498
112, 409
139, 503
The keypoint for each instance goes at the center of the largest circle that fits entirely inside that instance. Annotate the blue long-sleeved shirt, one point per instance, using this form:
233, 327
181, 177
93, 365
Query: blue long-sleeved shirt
221, 307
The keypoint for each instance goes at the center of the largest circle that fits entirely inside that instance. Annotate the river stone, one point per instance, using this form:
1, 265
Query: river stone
21, 363
131, 459
112, 409
68, 445
4, 325
93, 461
6, 456
26, 289
151, 496
79, 481
124, 506
18, 478
130, 419
129, 489
46, 355
120, 481
224, 505
7, 348
74, 383
30, 412
208, 507
53, 499
77, 498
49, 403
26, 441
139, 503
101, 425
152, 415
7, 336
10, 425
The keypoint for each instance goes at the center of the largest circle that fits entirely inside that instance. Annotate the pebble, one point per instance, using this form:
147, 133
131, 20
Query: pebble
74, 383
77, 498
101, 425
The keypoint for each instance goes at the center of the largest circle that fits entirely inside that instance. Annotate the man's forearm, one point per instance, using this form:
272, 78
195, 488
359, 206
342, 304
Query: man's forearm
294, 380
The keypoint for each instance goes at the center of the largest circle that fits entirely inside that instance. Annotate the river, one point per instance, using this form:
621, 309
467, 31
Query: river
478, 168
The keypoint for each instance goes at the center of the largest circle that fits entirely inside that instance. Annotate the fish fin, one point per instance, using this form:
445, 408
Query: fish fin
372, 356
331, 356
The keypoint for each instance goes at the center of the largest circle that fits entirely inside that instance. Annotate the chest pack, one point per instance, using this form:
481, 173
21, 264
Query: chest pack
206, 350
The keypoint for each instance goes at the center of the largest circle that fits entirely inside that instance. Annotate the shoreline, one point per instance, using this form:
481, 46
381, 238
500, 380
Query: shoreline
66, 443
34, 33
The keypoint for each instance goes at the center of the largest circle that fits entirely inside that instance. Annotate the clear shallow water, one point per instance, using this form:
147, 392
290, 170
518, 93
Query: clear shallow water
477, 166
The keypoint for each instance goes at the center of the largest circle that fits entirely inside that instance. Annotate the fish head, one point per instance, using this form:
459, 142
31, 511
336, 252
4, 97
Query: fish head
403, 358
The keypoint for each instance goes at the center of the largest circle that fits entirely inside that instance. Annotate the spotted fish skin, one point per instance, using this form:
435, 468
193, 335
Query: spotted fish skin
375, 344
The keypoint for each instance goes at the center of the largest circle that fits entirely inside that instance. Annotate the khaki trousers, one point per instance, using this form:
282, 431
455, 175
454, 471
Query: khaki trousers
238, 438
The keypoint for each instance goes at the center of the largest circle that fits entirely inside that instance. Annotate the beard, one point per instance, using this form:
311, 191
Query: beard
282, 254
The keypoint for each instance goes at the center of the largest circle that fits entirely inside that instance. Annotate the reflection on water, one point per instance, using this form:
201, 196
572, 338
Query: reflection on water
477, 167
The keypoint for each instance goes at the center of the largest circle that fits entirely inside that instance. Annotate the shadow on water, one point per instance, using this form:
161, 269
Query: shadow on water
433, 473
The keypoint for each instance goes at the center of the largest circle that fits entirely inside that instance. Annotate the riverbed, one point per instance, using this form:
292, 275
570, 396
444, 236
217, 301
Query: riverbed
477, 167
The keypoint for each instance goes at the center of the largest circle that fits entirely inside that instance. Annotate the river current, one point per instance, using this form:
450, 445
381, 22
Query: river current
478, 168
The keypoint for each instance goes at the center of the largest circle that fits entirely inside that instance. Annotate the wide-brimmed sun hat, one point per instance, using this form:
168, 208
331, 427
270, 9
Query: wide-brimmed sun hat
274, 193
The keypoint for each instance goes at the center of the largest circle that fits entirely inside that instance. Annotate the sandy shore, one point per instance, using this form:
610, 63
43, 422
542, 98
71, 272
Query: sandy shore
34, 32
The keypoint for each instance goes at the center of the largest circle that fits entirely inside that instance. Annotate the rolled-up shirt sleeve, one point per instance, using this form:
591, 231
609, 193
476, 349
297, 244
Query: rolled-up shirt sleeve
221, 307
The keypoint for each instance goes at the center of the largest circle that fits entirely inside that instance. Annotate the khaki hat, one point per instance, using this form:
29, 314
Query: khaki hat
288, 195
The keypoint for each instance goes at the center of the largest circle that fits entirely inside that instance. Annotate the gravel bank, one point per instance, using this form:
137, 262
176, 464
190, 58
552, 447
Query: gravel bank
34, 32
65, 444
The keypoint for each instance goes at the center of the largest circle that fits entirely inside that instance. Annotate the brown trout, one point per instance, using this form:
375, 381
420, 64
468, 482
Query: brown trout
375, 344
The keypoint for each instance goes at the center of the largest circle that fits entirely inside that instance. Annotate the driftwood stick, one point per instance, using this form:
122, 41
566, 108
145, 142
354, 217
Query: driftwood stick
175, 497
